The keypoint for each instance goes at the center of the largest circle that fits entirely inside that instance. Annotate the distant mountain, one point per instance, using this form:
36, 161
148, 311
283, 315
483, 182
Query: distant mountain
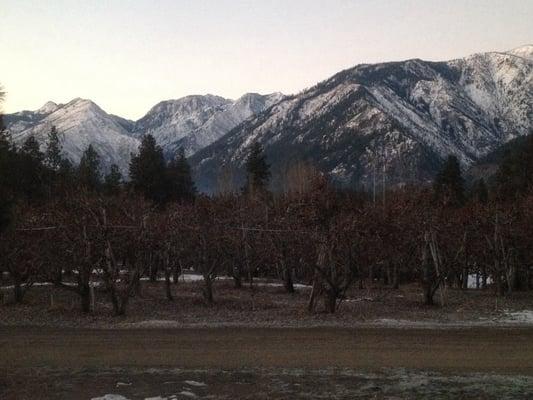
80, 123
397, 119
192, 123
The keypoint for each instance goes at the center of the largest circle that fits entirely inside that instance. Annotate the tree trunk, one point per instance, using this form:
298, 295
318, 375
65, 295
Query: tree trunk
237, 279
153, 273
466, 276
395, 278
287, 279
168, 288
428, 296
58, 278
85, 299
208, 290
386, 275
176, 274
330, 301
315, 293
18, 293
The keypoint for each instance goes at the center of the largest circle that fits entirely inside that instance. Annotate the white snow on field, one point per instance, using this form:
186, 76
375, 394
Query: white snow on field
194, 383
189, 277
110, 397
11, 287
474, 279
524, 317
188, 394
296, 285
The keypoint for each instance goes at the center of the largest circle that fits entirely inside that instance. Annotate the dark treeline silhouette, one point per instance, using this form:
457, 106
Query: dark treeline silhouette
58, 219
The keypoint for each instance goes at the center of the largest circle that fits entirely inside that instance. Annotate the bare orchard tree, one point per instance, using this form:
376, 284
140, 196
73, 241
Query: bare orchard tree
75, 220
20, 246
204, 234
125, 229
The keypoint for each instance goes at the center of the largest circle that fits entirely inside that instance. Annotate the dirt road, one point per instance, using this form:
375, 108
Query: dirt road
503, 351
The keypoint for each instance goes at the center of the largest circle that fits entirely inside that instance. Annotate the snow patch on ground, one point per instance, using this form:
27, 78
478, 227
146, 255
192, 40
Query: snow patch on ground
195, 383
524, 317
188, 394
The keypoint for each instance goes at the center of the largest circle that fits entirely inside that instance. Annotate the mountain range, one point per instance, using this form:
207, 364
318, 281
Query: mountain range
392, 121
192, 122
396, 121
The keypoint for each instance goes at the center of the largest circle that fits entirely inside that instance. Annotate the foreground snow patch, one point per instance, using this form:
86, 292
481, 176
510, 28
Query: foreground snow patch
519, 317
194, 383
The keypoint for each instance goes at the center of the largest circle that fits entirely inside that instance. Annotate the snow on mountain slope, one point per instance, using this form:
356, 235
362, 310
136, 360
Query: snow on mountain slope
193, 122
402, 118
80, 123
524, 51
172, 120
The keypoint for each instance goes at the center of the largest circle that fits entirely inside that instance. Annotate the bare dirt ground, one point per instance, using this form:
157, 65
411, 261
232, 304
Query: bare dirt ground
461, 350
266, 306
233, 363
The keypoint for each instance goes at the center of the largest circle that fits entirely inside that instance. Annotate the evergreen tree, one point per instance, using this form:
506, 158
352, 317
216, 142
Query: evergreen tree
66, 175
480, 193
515, 172
89, 169
53, 150
28, 170
257, 170
449, 183
32, 149
179, 178
113, 180
148, 171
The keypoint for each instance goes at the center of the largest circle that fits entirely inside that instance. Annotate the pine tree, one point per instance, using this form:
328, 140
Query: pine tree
148, 171
32, 149
53, 150
515, 172
113, 180
66, 175
480, 193
179, 179
29, 172
449, 183
257, 170
89, 169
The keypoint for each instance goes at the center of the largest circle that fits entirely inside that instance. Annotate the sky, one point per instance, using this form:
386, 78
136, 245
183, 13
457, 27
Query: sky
129, 55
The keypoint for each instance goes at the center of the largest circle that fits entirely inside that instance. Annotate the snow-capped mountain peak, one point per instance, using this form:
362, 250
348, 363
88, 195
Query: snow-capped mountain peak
48, 108
80, 123
194, 122
523, 51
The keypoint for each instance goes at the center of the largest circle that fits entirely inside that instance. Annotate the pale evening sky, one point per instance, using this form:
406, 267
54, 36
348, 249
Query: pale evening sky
129, 55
